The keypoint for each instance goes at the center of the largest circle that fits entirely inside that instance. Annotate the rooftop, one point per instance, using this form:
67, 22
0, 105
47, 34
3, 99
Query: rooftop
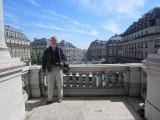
86, 108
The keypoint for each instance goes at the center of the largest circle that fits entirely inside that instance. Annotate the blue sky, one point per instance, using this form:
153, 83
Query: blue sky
76, 21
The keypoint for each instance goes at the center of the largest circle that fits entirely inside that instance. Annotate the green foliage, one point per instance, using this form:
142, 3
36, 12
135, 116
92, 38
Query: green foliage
36, 57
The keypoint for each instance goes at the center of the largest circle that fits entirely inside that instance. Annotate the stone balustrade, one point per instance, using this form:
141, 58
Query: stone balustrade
92, 79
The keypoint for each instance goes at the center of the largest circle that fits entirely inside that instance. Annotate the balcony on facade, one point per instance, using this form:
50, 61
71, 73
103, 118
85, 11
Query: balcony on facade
121, 80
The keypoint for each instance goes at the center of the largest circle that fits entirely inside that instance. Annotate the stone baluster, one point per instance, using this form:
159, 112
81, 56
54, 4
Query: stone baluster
117, 79
97, 80
113, 79
71, 80
90, 80
65, 82
93, 80
87, 80
103, 80
107, 79
110, 80
84, 80
126, 81
74, 80
78, 79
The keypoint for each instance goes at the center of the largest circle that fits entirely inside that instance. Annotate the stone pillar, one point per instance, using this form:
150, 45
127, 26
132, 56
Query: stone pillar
35, 81
12, 105
3, 47
135, 80
152, 104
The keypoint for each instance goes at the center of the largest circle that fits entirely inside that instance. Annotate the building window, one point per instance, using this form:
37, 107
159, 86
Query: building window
157, 43
158, 22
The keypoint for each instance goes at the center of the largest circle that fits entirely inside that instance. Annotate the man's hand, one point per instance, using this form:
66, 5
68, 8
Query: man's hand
59, 64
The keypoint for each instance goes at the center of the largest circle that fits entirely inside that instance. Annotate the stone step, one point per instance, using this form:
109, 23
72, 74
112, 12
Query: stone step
34, 102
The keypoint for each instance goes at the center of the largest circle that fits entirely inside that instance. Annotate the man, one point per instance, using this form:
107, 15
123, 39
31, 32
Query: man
52, 61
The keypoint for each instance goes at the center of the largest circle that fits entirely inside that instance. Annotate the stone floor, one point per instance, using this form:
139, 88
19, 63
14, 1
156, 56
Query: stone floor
85, 108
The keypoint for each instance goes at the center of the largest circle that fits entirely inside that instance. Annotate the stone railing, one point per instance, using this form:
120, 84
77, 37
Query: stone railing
25, 82
92, 79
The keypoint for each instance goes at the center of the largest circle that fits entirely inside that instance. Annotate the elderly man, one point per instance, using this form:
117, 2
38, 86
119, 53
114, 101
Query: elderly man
52, 61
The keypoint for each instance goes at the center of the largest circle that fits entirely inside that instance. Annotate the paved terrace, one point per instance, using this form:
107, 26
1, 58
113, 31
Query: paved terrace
85, 108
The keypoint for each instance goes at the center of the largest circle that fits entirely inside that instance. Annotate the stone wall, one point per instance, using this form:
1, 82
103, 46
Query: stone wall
152, 104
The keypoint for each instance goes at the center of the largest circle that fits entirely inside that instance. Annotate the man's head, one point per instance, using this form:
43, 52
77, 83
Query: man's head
53, 41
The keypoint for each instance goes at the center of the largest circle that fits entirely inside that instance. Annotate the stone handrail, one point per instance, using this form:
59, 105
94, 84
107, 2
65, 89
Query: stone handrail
92, 79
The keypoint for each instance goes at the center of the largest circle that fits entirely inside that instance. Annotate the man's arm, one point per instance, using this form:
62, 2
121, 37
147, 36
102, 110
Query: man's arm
63, 57
44, 61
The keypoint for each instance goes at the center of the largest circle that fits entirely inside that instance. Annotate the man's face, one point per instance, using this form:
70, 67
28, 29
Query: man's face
53, 42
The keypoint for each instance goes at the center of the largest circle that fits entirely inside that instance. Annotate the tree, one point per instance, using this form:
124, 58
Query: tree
39, 57
34, 57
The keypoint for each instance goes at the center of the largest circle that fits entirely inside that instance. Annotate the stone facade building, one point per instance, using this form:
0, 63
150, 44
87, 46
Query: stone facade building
142, 37
17, 43
133, 45
113, 49
72, 53
97, 50
37, 48
39, 45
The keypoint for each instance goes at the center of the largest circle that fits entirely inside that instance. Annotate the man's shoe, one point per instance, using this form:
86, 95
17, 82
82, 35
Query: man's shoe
60, 100
49, 102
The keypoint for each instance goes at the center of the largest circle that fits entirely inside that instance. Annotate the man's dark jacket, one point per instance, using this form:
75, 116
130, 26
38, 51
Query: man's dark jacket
51, 57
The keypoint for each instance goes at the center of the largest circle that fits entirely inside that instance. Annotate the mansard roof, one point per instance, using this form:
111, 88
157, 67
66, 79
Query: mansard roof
65, 43
147, 20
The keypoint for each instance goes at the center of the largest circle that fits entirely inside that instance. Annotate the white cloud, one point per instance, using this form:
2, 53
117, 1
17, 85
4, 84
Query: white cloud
131, 6
127, 7
86, 32
51, 26
59, 15
48, 26
111, 26
63, 23
94, 33
34, 3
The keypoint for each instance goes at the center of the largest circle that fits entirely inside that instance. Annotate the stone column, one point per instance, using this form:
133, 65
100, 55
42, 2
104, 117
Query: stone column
3, 47
152, 104
135, 79
35, 81
12, 105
